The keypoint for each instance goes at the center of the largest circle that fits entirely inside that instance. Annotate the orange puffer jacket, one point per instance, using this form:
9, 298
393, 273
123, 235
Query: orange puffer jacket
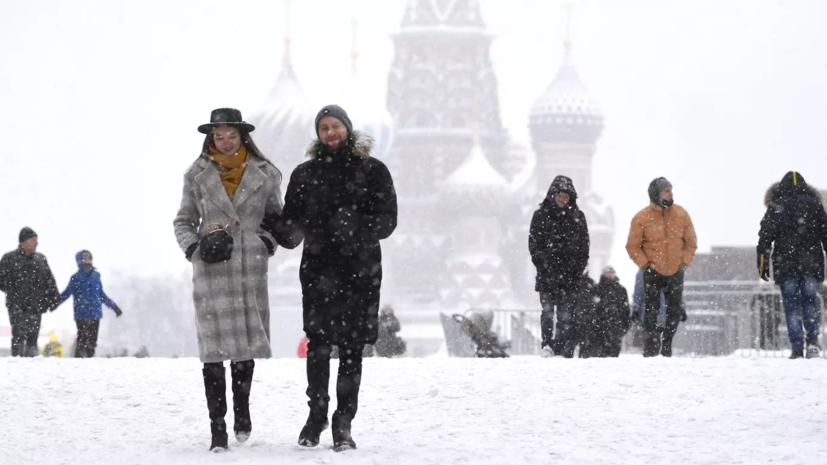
663, 238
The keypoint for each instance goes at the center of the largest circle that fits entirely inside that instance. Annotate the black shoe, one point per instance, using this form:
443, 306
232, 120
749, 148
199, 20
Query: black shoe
342, 439
316, 423
797, 354
242, 376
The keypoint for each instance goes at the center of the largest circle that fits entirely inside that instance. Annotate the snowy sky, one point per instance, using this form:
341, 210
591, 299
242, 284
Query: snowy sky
101, 100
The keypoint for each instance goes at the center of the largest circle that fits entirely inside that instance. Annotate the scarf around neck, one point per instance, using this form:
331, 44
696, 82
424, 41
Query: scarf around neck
230, 167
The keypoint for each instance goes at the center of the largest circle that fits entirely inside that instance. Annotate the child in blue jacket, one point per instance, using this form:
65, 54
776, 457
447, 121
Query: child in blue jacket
86, 287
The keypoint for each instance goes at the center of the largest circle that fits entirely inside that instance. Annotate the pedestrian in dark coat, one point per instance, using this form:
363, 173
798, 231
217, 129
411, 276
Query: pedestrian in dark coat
613, 314
389, 344
87, 291
30, 289
227, 192
559, 245
341, 203
793, 237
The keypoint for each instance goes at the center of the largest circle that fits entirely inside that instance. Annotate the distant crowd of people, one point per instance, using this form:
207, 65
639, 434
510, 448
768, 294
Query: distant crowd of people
662, 243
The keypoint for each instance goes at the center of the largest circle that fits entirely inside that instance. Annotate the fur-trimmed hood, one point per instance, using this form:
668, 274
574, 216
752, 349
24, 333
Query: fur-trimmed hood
360, 143
785, 188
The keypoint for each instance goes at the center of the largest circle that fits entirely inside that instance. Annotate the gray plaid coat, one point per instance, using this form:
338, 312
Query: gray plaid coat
232, 312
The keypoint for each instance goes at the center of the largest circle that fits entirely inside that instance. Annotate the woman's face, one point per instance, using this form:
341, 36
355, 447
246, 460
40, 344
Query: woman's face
332, 132
227, 140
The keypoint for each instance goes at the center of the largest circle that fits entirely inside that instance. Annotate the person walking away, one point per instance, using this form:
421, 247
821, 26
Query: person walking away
559, 245
227, 191
53, 348
389, 344
340, 203
613, 309
86, 289
662, 242
793, 237
31, 290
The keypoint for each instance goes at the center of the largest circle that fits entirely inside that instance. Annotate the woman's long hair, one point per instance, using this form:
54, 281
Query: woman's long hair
248, 142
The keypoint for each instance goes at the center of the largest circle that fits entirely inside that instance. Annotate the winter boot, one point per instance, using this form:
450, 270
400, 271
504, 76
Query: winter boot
813, 350
215, 386
342, 439
547, 352
242, 374
797, 354
316, 423
666, 345
651, 344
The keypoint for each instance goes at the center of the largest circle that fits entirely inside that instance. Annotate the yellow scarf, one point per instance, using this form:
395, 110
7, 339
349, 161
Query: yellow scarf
230, 168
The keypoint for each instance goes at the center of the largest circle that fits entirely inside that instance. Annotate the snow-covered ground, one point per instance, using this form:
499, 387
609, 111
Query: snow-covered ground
428, 411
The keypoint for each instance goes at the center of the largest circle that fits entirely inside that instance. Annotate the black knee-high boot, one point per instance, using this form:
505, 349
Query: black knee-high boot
347, 395
318, 376
242, 375
215, 387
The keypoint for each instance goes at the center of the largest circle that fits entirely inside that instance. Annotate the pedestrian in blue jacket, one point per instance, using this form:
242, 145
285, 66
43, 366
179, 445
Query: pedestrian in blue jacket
86, 287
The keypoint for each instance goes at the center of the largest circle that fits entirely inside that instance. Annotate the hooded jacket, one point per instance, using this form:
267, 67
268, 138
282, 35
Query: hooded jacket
793, 231
87, 291
559, 241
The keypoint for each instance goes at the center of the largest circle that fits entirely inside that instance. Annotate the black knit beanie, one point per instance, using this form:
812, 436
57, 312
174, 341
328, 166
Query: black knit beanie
657, 186
26, 234
337, 112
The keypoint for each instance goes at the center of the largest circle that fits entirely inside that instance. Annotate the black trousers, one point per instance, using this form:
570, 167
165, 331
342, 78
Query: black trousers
348, 380
87, 338
25, 326
672, 287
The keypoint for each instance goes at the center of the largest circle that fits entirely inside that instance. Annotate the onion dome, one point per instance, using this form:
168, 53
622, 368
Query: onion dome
284, 122
566, 112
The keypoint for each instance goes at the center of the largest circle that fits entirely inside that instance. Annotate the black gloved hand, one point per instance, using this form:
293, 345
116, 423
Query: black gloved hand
191, 250
683, 312
764, 267
216, 247
271, 249
118, 312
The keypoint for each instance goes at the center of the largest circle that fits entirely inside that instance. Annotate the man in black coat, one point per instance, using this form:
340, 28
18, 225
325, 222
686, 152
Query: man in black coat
30, 289
341, 203
793, 236
389, 344
559, 245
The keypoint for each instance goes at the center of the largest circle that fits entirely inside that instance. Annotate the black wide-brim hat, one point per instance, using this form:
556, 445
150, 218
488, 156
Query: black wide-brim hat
226, 117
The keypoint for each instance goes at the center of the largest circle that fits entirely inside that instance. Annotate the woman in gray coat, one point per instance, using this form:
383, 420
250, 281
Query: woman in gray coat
227, 192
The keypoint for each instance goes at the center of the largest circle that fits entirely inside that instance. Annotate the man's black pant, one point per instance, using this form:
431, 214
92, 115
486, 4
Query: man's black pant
25, 326
87, 338
347, 383
672, 287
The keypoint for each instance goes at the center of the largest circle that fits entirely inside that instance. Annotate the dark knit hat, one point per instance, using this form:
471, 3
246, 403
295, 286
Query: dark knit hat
26, 234
337, 112
657, 186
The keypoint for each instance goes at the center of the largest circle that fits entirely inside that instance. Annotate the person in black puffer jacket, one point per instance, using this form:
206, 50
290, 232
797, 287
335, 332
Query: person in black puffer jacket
341, 203
559, 245
793, 238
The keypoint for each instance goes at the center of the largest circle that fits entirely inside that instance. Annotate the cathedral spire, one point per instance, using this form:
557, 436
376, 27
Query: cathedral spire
354, 51
287, 36
567, 43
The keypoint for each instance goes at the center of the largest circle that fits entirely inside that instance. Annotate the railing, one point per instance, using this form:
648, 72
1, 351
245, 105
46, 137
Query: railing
729, 318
